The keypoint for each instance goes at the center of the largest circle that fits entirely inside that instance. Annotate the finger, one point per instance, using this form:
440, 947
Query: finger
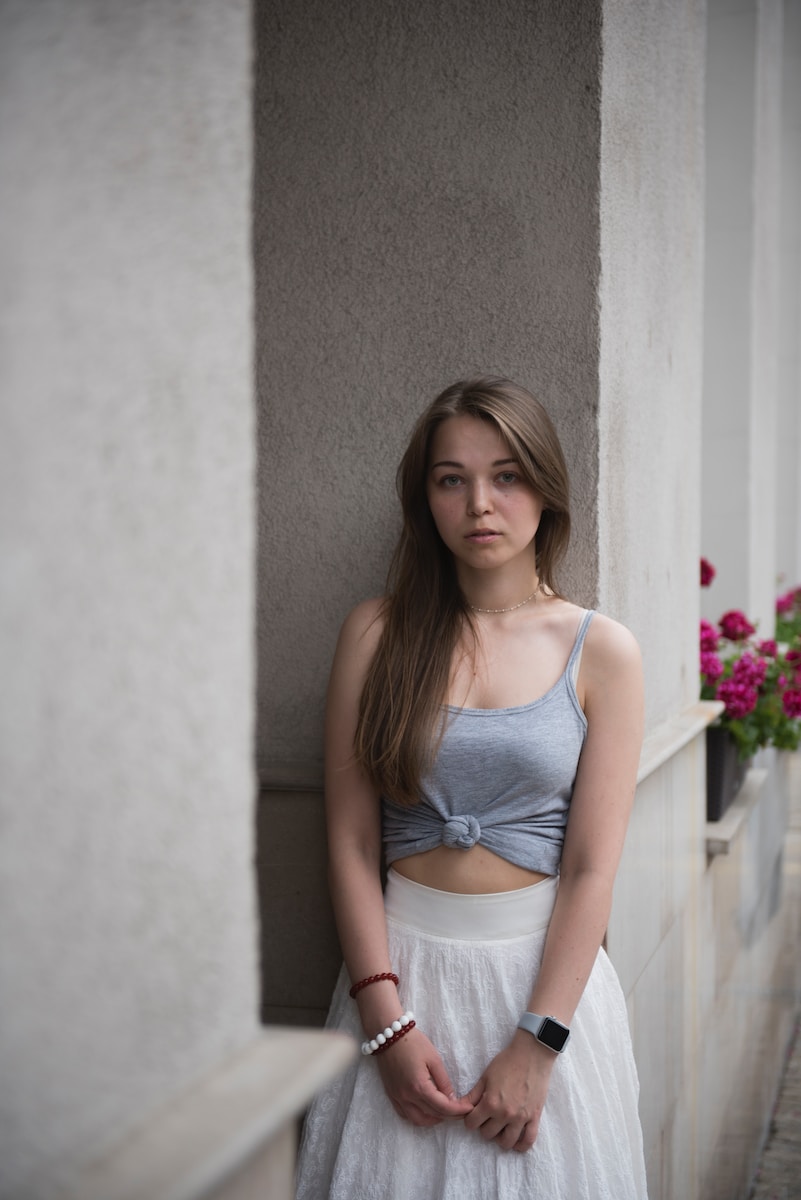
484, 1121
527, 1139
442, 1104
475, 1093
497, 1127
491, 1129
509, 1137
445, 1091
479, 1114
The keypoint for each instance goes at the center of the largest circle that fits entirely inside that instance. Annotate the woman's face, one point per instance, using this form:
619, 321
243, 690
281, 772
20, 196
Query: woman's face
484, 508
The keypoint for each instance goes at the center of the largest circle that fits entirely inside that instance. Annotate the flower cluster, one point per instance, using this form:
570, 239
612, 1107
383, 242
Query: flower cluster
758, 680
708, 572
788, 615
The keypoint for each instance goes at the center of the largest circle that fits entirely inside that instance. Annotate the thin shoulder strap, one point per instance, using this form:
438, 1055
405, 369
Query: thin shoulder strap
574, 662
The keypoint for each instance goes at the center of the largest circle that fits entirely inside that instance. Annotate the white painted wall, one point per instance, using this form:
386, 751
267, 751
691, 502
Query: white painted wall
127, 924
651, 288
706, 950
789, 416
752, 383
763, 494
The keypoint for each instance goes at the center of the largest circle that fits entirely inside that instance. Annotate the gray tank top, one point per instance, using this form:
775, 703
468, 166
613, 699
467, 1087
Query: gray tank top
503, 777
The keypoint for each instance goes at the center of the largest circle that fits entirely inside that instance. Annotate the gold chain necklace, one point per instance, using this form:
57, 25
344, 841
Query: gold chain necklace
511, 607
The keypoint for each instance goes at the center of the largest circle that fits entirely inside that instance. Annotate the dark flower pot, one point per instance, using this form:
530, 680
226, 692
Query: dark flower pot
725, 771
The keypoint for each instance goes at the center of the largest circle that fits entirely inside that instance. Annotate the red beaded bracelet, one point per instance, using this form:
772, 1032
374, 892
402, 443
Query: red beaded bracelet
390, 1035
363, 983
396, 1037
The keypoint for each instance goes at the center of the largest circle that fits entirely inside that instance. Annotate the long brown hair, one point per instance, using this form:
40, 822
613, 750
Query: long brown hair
425, 611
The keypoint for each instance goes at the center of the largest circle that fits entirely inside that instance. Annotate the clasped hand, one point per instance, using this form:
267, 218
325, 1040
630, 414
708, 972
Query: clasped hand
503, 1106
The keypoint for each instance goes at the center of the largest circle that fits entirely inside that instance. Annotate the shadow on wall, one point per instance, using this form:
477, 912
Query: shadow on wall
300, 954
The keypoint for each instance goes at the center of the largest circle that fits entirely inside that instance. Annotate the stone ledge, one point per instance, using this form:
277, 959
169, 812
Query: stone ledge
662, 743
199, 1144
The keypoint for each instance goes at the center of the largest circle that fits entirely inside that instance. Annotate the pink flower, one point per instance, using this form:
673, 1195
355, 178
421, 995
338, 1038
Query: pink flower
768, 648
708, 572
709, 637
785, 603
749, 670
735, 626
793, 659
711, 666
791, 702
739, 698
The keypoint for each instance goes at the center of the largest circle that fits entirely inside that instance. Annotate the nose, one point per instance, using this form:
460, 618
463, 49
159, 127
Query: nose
479, 499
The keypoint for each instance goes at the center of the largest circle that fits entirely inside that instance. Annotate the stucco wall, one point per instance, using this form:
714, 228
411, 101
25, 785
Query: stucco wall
789, 416
766, 325
426, 207
651, 304
745, 327
127, 920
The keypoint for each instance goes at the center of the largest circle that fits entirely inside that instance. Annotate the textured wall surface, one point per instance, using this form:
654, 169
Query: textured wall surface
425, 207
765, 296
789, 418
728, 347
752, 387
650, 329
127, 919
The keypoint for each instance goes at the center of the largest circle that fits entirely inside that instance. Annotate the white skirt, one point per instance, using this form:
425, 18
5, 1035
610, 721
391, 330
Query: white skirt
467, 965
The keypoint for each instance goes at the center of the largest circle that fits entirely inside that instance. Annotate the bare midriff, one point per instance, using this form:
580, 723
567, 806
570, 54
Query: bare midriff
471, 872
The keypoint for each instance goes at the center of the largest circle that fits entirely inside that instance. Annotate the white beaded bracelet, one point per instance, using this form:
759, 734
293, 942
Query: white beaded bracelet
389, 1035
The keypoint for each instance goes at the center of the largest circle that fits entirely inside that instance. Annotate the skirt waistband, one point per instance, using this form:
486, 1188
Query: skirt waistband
483, 917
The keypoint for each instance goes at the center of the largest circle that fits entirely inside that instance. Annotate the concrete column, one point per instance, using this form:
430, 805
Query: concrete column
651, 172
127, 914
742, 305
766, 287
788, 425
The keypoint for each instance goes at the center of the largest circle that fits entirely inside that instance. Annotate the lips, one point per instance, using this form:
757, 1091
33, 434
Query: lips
483, 535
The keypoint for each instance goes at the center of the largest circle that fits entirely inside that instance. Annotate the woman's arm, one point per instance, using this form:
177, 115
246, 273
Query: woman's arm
510, 1095
412, 1071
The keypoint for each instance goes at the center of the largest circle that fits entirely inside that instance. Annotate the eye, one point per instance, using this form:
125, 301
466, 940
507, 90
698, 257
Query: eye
449, 481
508, 477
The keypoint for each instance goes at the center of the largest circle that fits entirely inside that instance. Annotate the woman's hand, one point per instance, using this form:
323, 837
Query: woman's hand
509, 1097
417, 1083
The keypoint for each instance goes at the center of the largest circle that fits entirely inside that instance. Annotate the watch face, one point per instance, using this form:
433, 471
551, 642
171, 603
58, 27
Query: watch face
553, 1035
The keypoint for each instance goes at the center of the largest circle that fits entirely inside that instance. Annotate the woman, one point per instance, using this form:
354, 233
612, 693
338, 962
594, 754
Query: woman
485, 732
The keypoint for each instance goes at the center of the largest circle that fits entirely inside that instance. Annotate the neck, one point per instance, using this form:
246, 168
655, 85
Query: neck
497, 602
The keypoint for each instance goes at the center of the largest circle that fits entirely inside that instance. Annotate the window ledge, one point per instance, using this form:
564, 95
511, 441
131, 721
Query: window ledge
667, 739
721, 835
199, 1143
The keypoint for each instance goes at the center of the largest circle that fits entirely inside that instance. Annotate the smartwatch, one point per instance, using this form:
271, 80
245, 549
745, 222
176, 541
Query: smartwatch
548, 1030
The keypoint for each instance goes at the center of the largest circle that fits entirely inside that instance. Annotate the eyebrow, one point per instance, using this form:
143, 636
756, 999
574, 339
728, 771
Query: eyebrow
447, 462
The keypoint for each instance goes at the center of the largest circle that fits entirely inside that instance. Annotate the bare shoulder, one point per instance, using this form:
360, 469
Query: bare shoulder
610, 645
361, 630
356, 647
366, 620
611, 667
